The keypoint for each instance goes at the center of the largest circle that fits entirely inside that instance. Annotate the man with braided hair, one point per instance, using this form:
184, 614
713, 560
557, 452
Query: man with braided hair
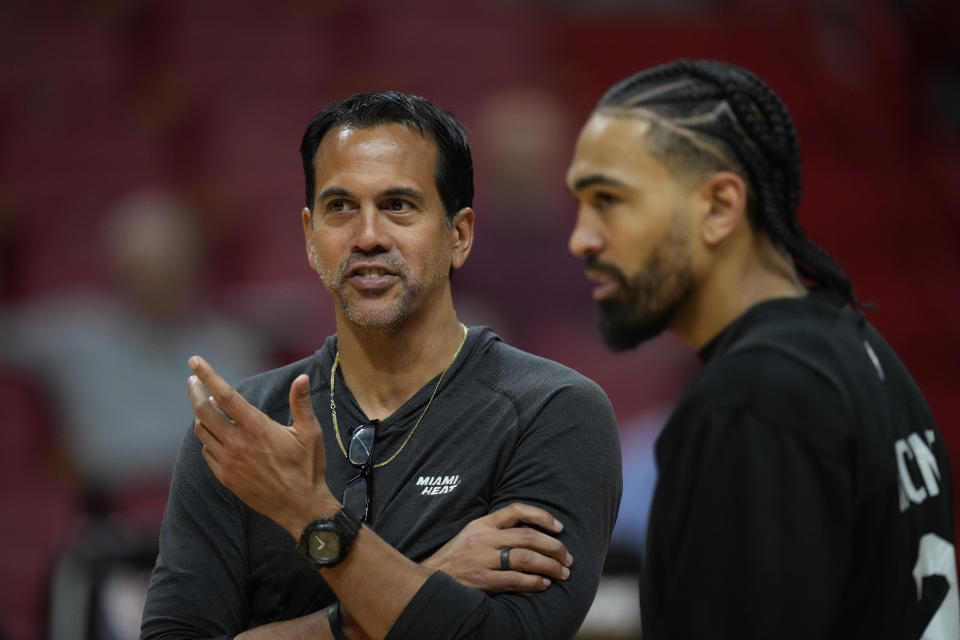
804, 487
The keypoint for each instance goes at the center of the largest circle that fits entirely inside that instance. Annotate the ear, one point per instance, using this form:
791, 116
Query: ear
461, 233
725, 196
307, 218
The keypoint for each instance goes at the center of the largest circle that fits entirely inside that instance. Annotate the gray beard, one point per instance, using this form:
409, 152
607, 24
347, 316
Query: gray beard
385, 320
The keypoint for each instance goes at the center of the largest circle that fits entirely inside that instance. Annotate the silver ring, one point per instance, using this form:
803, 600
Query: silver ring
505, 559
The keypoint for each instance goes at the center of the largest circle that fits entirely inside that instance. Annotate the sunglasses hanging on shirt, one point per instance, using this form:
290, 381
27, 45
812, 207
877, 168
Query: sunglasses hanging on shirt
357, 493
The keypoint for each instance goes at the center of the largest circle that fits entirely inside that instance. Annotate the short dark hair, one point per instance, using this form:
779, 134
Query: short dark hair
454, 171
709, 116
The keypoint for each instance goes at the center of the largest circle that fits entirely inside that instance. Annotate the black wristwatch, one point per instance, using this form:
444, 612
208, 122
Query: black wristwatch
324, 543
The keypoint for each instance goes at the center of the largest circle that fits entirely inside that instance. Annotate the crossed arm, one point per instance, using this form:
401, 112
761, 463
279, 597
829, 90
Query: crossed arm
279, 472
466, 558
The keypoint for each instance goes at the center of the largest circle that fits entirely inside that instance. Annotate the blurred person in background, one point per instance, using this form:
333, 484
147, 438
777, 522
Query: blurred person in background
526, 133
804, 488
303, 500
112, 361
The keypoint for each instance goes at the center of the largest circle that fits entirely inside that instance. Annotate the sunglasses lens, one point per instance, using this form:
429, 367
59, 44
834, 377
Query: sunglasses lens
361, 445
355, 497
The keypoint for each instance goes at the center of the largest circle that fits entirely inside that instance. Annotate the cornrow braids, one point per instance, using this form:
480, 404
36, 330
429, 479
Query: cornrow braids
713, 114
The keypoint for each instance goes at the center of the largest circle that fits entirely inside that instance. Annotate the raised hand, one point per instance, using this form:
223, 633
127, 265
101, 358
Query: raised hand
474, 556
276, 470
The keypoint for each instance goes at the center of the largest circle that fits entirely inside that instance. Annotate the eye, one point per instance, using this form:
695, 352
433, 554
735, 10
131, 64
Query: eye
604, 200
340, 205
398, 205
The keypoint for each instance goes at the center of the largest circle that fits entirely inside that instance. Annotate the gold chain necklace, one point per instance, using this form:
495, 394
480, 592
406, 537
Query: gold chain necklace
333, 404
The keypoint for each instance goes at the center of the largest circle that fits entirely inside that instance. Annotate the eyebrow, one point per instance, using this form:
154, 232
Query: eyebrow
331, 192
339, 192
595, 179
406, 191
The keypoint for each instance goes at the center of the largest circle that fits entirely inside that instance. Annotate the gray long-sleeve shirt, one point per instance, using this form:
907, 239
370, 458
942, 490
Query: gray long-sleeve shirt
505, 427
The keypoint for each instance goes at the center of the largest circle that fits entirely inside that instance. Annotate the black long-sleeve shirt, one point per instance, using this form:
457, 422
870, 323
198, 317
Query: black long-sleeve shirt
804, 490
504, 427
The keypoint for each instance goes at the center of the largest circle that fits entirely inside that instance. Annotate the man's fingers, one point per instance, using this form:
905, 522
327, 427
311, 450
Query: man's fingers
545, 557
211, 459
518, 512
305, 423
225, 396
206, 411
301, 404
513, 582
206, 436
535, 563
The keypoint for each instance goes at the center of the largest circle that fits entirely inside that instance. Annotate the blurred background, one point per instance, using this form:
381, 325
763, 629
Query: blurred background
150, 190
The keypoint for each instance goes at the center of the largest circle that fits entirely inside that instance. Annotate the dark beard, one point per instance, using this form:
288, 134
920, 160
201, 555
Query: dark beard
647, 302
624, 327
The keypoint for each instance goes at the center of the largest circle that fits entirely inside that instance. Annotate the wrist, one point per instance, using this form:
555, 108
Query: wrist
322, 507
326, 542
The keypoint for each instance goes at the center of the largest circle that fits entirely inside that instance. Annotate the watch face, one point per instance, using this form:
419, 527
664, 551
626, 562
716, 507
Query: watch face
324, 545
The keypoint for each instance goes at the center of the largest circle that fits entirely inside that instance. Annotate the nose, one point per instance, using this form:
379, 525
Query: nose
371, 234
585, 239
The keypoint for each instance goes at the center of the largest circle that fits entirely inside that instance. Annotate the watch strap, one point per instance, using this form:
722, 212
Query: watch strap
348, 523
333, 617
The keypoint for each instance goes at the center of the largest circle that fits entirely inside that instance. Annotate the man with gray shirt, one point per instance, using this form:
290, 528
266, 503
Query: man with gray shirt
405, 428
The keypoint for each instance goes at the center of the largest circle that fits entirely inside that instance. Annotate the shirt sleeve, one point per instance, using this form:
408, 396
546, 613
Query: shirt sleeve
567, 461
199, 587
751, 532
